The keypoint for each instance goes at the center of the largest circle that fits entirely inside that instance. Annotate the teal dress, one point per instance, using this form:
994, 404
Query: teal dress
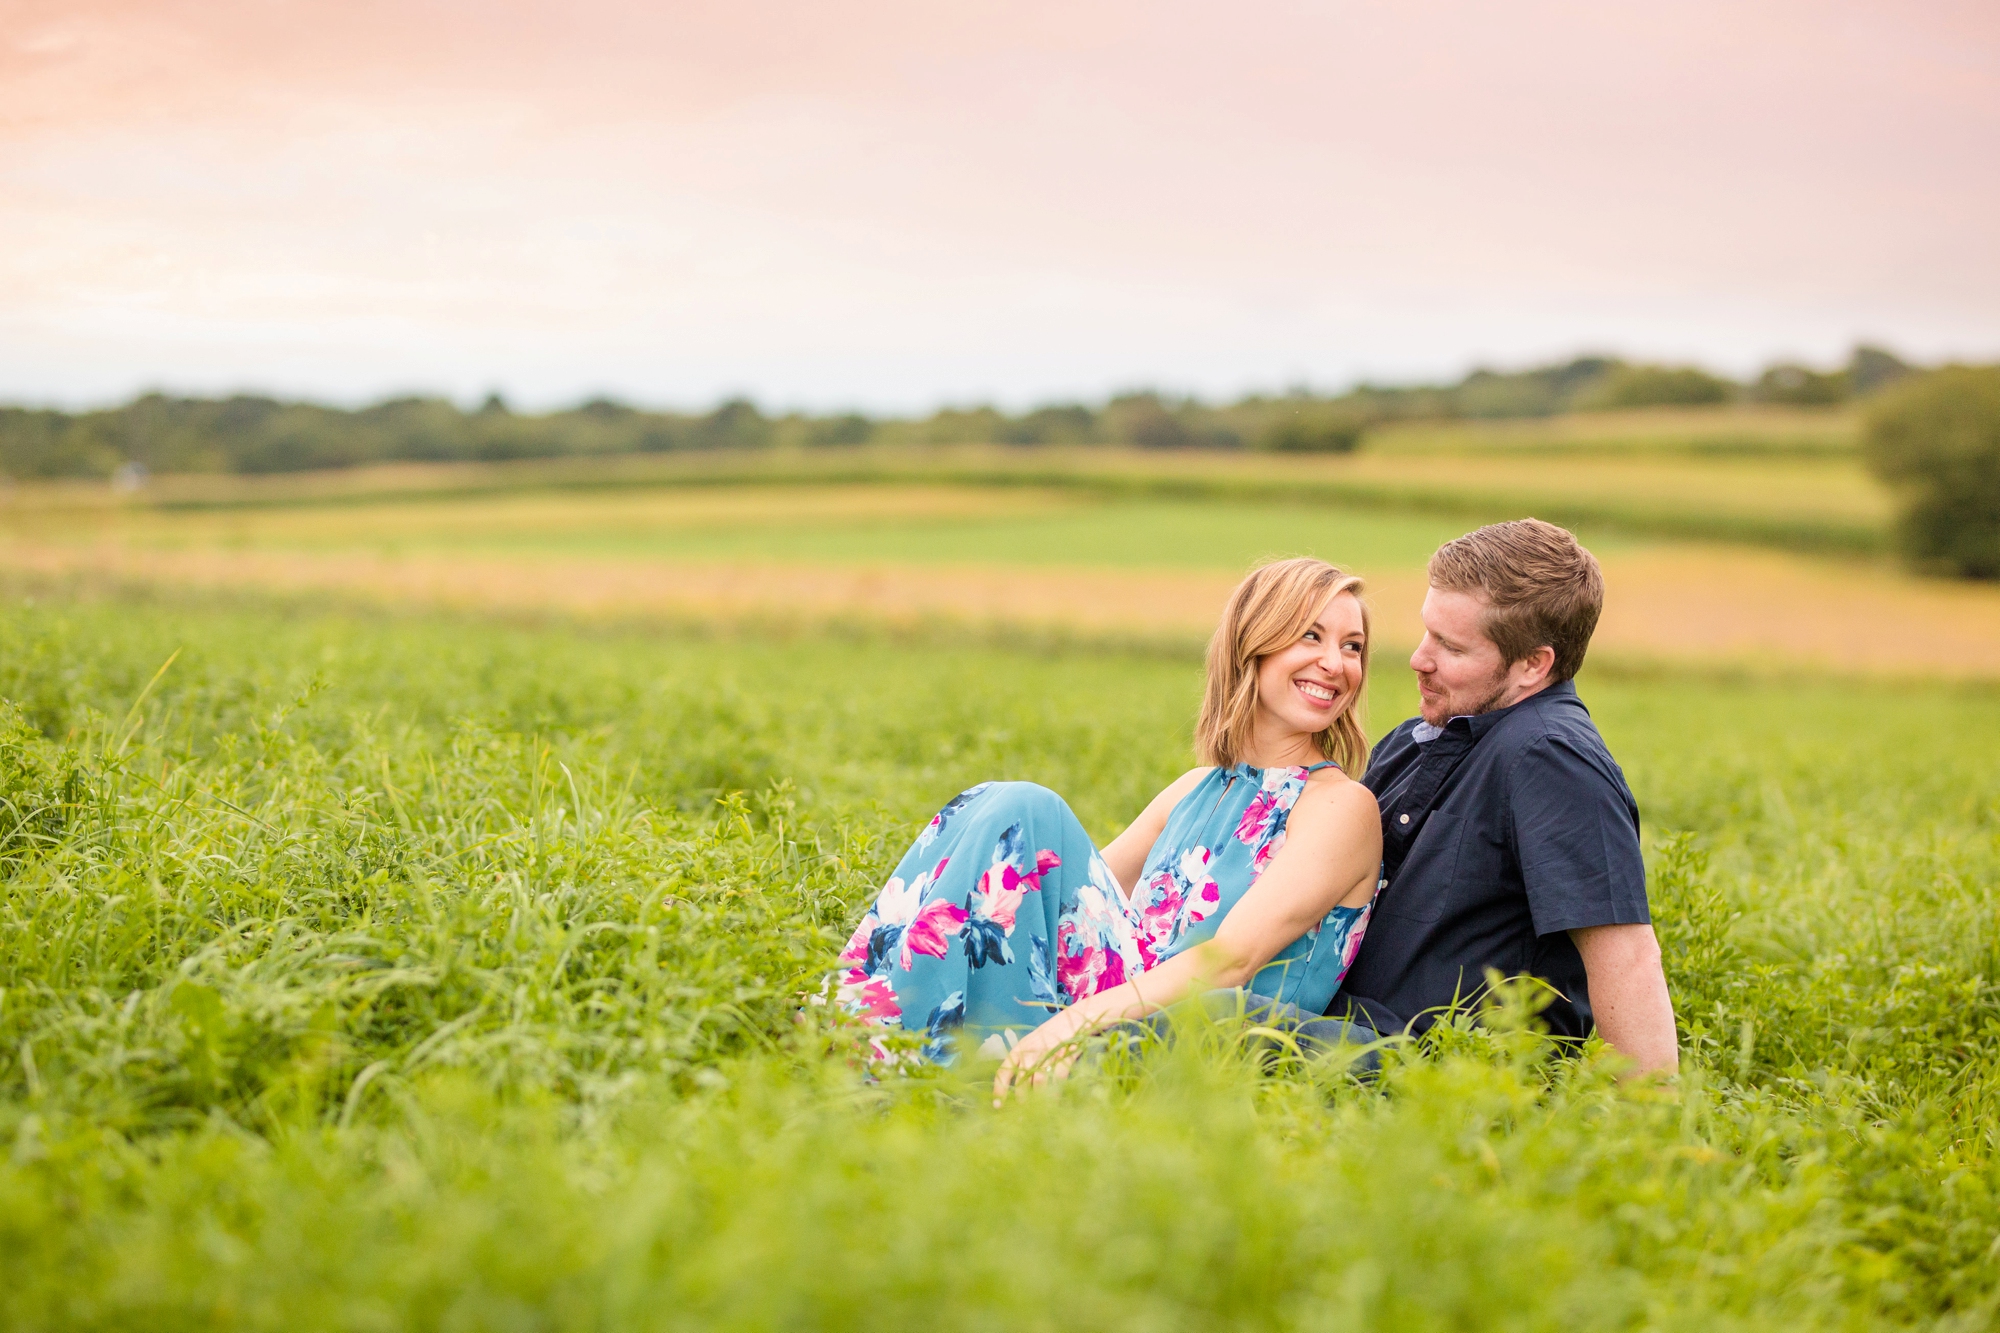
1003, 911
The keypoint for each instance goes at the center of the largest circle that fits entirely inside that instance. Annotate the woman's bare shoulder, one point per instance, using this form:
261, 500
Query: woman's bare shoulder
1339, 795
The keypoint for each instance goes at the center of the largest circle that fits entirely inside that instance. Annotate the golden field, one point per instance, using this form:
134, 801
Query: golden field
1084, 542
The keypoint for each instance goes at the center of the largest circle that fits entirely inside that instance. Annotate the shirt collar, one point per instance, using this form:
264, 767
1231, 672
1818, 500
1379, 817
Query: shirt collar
1478, 724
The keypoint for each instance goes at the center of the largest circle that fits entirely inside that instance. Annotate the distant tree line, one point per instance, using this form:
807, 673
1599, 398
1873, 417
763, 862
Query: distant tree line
249, 434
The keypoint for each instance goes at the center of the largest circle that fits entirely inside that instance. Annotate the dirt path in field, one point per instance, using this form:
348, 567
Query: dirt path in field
1677, 603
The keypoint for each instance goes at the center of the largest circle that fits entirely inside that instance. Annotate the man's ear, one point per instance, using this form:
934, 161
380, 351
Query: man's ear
1535, 667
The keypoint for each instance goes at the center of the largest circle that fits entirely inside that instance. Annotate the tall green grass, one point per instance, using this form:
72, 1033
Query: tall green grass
441, 974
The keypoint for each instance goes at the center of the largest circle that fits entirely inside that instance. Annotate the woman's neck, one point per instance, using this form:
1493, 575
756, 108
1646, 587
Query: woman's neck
1280, 748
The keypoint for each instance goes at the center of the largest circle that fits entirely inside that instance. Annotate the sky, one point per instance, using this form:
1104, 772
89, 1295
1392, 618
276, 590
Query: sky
901, 203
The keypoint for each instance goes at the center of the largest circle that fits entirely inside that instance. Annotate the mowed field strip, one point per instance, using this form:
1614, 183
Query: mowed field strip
990, 557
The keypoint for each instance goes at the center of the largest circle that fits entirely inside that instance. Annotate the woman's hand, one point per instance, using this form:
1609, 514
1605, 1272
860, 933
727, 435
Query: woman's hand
1043, 1055
1047, 1053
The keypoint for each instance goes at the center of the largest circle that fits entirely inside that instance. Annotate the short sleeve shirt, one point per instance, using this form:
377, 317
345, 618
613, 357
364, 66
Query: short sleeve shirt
1500, 834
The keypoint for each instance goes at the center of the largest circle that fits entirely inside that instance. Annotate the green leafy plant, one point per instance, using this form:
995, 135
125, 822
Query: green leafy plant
44, 790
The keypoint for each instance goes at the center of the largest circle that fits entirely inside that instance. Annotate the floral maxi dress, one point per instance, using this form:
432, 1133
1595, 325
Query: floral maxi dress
1003, 911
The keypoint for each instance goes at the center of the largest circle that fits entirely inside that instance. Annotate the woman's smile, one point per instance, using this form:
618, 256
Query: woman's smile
1319, 696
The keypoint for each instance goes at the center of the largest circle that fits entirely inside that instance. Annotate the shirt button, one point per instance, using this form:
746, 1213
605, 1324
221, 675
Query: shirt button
1402, 819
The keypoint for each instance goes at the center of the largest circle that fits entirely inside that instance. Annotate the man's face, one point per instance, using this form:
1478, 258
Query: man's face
1459, 671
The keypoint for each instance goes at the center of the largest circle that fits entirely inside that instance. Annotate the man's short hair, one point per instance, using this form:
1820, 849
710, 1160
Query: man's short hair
1544, 588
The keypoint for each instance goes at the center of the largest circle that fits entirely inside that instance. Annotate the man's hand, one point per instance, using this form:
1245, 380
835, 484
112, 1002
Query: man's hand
1628, 994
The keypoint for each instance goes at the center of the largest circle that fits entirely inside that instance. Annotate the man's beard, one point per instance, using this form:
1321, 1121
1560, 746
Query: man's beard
1449, 707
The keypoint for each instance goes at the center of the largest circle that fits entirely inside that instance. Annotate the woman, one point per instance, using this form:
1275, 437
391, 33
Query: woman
1257, 869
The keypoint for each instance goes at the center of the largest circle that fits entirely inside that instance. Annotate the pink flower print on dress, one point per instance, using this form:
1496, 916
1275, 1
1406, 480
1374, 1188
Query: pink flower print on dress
1204, 895
871, 998
1172, 900
1004, 884
1160, 907
1257, 817
898, 902
856, 951
1088, 969
1267, 809
1100, 920
931, 933
901, 919
995, 899
1262, 856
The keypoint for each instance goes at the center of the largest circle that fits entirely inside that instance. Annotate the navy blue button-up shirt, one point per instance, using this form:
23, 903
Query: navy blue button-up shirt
1499, 835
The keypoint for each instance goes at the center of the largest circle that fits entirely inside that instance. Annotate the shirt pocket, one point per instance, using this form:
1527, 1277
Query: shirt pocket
1480, 869
1422, 887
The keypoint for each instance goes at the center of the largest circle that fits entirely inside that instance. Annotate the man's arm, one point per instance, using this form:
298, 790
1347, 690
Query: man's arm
1576, 830
1628, 994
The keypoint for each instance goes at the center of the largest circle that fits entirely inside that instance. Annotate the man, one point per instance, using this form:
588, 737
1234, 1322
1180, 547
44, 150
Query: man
1510, 840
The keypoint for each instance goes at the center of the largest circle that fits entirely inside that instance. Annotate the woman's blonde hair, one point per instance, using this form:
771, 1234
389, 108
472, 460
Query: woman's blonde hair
1270, 610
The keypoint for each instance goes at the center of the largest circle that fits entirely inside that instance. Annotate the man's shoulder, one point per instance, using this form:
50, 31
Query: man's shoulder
1556, 714
1558, 738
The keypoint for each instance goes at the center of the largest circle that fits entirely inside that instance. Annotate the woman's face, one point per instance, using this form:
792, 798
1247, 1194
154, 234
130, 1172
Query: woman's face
1306, 685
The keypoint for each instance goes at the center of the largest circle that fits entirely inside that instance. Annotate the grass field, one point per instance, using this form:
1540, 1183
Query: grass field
423, 944
418, 971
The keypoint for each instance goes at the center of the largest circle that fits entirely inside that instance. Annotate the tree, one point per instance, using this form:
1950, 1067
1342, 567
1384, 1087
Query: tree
1314, 428
1936, 439
1658, 386
1058, 423
1537, 392
1800, 386
1872, 368
737, 424
1143, 418
850, 428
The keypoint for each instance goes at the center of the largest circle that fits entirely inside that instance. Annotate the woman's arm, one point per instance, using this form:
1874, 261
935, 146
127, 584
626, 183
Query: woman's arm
1126, 854
1331, 857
